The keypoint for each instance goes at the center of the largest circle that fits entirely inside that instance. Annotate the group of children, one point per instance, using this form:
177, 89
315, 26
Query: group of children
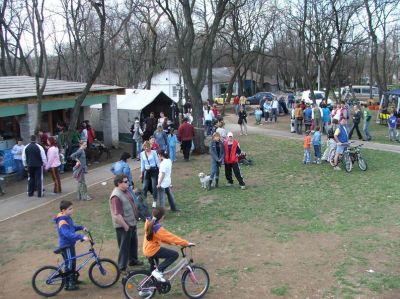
315, 141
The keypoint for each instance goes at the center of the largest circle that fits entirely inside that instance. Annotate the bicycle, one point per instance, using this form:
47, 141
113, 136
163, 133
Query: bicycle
48, 281
142, 284
344, 158
350, 155
355, 155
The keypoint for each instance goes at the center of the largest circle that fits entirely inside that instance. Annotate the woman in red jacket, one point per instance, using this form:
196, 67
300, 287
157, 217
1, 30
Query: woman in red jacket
232, 152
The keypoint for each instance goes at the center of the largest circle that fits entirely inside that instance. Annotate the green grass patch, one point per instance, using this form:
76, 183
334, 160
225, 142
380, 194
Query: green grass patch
281, 290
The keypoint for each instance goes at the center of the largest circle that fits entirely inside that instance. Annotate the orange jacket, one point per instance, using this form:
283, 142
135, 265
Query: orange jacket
160, 235
307, 141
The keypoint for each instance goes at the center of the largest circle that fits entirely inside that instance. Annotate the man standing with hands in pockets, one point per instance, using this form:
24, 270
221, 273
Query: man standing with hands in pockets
123, 213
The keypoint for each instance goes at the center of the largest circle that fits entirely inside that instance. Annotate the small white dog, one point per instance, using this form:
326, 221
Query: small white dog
204, 180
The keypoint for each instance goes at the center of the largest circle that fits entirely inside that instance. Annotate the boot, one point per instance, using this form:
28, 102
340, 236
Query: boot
216, 183
209, 185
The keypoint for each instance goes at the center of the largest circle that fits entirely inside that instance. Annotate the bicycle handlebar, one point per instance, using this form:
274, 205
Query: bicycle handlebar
90, 237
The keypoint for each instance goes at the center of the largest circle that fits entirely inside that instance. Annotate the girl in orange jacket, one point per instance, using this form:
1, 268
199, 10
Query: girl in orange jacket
155, 234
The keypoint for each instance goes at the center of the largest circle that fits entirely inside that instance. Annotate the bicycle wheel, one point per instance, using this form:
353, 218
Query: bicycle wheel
139, 284
331, 157
105, 273
195, 284
48, 281
346, 160
361, 163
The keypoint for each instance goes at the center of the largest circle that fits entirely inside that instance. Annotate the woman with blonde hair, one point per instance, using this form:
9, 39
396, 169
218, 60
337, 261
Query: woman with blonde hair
149, 168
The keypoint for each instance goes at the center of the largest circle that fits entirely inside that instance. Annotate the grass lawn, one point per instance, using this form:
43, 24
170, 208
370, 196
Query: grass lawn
287, 211
362, 208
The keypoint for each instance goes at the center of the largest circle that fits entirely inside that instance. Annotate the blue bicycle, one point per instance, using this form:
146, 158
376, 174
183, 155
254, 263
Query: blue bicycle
48, 281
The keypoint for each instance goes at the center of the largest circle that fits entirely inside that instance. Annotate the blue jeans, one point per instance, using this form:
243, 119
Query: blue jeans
274, 114
209, 127
170, 197
20, 169
317, 151
307, 156
366, 130
147, 181
214, 170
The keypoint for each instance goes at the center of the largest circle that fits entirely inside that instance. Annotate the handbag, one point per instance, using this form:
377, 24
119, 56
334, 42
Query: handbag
153, 170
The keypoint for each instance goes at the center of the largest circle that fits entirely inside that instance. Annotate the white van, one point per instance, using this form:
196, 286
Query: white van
319, 96
362, 93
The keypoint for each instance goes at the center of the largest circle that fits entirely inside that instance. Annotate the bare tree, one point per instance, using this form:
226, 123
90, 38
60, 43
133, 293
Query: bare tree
35, 10
13, 22
181, 14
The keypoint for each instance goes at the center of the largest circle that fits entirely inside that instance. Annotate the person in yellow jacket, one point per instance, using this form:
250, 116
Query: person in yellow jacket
155, 234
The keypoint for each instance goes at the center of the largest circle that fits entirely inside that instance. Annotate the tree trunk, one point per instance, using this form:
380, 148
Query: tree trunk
210, 78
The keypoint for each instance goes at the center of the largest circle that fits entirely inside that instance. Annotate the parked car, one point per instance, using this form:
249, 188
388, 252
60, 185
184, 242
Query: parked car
255, 99
319, 96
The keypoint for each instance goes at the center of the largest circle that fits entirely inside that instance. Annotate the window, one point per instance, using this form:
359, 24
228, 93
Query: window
174, 91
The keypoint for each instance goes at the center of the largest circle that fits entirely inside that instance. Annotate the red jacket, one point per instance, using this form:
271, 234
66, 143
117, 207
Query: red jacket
231, 157
215, 111
91, 135
185, 132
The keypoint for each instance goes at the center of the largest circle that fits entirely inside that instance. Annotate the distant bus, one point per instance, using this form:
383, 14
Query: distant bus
362, 93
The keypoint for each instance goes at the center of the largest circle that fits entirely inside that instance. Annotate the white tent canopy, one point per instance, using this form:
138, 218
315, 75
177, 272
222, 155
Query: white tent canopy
130, 106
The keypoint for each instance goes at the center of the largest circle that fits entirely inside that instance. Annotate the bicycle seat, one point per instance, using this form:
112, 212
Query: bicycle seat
59, 249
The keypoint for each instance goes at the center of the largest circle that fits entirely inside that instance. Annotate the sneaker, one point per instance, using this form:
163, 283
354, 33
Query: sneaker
229, 185
144, 294
88, 198
158, 275
243, 187
336, 168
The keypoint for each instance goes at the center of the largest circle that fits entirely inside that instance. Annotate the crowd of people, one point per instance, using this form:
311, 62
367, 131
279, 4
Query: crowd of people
50, 153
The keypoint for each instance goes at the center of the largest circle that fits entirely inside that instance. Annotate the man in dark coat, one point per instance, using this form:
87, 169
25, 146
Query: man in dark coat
34, 157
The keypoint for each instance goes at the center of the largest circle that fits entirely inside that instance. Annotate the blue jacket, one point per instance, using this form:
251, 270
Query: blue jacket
214, 153
316, 140
172, 140
308, 113
121, 167
66, 230
161, 139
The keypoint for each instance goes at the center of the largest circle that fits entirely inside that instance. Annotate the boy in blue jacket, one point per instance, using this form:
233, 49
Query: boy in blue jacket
67, 237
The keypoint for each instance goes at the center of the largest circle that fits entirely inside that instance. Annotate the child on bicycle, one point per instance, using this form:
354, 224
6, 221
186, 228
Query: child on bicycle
155, 234
67, 237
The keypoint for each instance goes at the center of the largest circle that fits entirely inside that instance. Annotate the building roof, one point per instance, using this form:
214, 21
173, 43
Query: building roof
21, 87
136, 99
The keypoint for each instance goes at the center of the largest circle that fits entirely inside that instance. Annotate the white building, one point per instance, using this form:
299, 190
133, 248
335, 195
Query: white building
169, 80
